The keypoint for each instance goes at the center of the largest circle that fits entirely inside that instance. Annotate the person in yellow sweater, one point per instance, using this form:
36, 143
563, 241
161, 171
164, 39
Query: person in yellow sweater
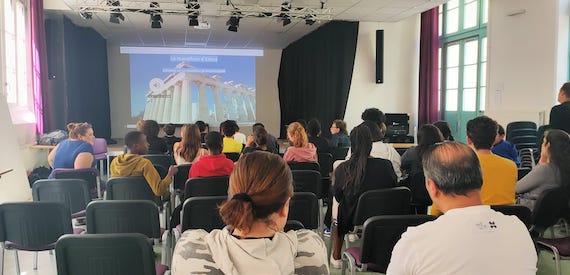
231, 145
499, 174
132, 164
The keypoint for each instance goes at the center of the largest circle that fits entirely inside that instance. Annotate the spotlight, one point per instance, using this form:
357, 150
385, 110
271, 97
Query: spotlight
286, 20
156, 20
193, 20
86, 15
115, 16
233, 23
309, 20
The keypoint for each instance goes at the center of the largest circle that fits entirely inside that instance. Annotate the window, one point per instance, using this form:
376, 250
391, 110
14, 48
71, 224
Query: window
463, 42
16, 59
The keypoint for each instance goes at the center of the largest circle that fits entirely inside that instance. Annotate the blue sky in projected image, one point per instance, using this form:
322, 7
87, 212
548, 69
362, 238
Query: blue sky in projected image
144, 67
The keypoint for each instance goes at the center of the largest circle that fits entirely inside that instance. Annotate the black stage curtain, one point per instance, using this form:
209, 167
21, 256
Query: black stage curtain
79, 85
315, 74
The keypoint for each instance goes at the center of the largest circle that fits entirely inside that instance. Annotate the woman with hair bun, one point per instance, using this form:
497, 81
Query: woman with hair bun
76, 152
301, 150
253, 242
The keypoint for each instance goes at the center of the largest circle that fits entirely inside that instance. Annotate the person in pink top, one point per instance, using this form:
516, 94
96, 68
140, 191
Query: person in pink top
301, 150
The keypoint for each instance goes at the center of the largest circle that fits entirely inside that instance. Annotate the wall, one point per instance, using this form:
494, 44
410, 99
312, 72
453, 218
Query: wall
528, 58
399, 92
267, 102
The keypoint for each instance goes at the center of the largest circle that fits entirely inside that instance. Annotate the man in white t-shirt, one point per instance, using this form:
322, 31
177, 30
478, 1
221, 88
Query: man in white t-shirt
469, 238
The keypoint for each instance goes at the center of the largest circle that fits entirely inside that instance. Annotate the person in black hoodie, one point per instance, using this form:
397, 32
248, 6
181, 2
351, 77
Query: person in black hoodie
314, 133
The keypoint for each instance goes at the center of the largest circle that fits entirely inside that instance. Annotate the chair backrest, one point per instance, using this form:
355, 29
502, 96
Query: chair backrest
517, 125
390, 201
522, 212
293, 225
130, 188
33, 224
73, 193
551, 205
526, 139
99, 148
381, 233
134, 216
417, 186
182, 176
314, 166
523, 171
163, 161
202, 213
102, 254
340, 153
307, 181
232, 156
161, 170
207, 186
325, 164
304, 207
88, 174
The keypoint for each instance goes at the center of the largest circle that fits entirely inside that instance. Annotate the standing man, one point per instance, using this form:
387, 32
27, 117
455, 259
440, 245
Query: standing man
560, 114
470, 238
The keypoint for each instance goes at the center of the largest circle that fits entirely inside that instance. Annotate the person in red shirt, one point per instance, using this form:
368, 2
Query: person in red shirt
215, 164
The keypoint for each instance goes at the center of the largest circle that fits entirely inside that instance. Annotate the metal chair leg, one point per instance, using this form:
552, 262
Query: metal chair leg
36, 261
17, 262
2, 261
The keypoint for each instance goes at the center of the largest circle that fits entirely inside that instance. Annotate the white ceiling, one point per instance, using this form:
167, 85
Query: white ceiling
268, 33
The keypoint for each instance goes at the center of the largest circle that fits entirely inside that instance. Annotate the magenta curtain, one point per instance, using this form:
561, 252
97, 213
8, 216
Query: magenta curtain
39, 63
428, 109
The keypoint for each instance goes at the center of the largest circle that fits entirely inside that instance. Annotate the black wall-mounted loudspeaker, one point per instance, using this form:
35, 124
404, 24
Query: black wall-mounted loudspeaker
379, 56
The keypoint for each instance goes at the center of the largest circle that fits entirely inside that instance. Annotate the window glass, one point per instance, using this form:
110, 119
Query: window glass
469, 100
451, 100
470, 15
452, 21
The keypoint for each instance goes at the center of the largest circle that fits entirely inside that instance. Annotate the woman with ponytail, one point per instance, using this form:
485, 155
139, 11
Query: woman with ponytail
553, 169
360, 173
76, 152
189, 149
253, 242
301, 150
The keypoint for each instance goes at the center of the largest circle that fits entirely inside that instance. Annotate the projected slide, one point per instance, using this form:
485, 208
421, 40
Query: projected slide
182, 88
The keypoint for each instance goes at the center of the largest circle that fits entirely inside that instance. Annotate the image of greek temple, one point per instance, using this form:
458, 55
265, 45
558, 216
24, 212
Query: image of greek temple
170, 100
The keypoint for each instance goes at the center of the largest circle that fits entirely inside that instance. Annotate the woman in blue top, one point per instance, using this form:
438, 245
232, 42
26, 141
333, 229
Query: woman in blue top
76, 152
339, 135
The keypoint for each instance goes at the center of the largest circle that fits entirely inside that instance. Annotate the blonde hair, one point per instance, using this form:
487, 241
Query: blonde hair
297, 134
266, 180
190, 144
77, 129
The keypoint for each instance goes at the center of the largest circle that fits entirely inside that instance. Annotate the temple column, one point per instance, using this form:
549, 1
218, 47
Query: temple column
240, 106
218, 106
155, 106
185, 102
167, 106
160, 110
176, 98
249, 108
203, 110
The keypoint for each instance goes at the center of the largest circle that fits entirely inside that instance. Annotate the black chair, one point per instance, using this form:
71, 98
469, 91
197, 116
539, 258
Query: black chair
325, 164
520, 211
160, 160
314, 166
523, 171
420, 196
103, 254
340, 153
73, 193
130, 188
202, 213
550, 207
207, 186
232, 156
293, 225
379, 236
91, 175
122, 216
182, 176
304, 207
390, 201
517, 128
307, 181
32, 226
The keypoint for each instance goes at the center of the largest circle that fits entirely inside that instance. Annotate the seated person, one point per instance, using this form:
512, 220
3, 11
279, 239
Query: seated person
272, 142
132, 164
156, 145
301, 150
428, 135
445, 130
214, 164
339, 135
499, 174
505, 149
253, 242
230, 144
470, 238
169, 137
552, 171
257, 142
314, 133
76, 152
204, 129
360, 173
374, 115
241, 137
189, 149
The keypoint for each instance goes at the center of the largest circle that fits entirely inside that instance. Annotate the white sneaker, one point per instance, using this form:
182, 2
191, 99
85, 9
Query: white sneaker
335, 263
